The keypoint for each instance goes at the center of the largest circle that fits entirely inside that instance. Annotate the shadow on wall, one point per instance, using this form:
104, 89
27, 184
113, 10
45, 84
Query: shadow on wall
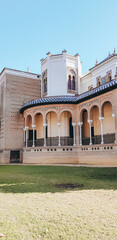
43, 179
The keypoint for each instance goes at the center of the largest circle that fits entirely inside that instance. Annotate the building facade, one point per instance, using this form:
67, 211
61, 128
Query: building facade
60, 116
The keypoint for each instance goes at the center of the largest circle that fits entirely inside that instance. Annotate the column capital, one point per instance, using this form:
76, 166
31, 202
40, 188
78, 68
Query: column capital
59, 124
33, 126
101, 118
73, 124
80, 124
90, 121
44, 124
27, 128
113, 115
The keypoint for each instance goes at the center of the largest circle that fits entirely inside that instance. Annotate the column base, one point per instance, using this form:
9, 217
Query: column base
102, 142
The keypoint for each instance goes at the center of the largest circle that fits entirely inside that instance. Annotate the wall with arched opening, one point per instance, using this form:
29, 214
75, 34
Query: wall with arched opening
108, 123
65, 124
52, 124
29, 121
85, 126
94, 115
39, 126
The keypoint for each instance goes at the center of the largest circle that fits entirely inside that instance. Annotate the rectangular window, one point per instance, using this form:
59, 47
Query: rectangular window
103, 80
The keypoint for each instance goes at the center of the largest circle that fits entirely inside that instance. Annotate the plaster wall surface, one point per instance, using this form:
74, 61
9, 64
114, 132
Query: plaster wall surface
64, 129
50, 157
109, 121
99, 71
91, 157
57, 75
39, 126
103, 68
85, 82
104, 157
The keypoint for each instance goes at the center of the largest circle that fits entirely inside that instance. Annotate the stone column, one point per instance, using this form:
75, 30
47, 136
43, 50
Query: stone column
80, 125
26, 136
74, 135
114, 117
90, 122
44, 125
77, 134
59, 141
33, 127
101, 121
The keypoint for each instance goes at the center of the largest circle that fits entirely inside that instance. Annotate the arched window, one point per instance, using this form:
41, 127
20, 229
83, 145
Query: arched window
109, 77
45, 85
69, 82
44, 79
73, 83
98, 82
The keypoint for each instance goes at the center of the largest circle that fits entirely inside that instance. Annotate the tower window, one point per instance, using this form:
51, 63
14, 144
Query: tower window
73, 83
45, 85
69, 82
72, 80
44, 80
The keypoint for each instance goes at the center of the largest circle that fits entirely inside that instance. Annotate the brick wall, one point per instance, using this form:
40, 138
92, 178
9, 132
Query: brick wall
17, 91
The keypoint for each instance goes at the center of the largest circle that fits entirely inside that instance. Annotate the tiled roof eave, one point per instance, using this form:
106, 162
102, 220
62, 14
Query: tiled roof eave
71, 100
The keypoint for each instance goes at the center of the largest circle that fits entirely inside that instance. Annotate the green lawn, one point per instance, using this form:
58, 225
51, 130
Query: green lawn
33, 207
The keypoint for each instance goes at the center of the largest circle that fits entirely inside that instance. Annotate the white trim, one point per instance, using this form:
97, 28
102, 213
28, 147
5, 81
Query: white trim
19, 73
103, 63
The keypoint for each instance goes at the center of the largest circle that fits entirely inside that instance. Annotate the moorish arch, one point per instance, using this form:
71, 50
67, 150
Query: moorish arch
108, 122
37, 112
66, 123
52, 123
84, 120
66, 128
94, 116
39, 130
29, 131
28, 121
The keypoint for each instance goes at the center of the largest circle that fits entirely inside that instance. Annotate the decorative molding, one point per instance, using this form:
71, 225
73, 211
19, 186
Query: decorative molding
51, 108
89, 103
105, 97
34, 110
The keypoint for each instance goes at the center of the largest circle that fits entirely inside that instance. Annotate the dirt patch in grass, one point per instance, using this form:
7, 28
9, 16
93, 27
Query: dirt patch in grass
69, 185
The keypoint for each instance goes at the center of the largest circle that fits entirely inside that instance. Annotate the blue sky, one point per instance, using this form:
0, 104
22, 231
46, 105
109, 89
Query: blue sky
31, 28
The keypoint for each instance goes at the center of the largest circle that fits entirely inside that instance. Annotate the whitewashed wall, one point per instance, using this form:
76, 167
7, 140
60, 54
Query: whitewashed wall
57, 66
85, 82
103, 68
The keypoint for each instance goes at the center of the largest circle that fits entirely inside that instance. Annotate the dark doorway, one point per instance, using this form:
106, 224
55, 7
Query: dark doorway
70, 128
15, 156
92, 131
31, 135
